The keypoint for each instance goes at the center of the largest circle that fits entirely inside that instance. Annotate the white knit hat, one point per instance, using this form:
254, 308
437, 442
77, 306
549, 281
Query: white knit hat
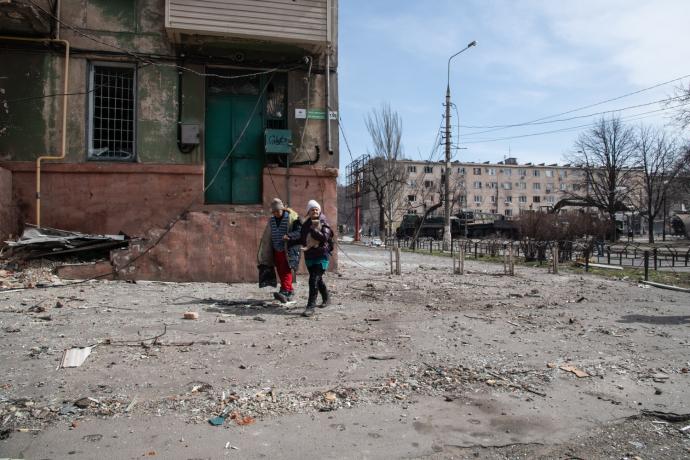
312, 204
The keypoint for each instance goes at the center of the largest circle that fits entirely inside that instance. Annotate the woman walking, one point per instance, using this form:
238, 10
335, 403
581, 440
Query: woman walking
317, 237
280, 246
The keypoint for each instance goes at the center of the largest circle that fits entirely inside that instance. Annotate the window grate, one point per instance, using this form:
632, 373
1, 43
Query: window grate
112, 113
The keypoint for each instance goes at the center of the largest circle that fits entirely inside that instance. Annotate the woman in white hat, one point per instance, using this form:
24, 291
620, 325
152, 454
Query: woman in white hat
317, 255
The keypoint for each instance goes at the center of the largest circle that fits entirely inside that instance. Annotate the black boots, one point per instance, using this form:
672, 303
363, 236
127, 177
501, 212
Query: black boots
325, 299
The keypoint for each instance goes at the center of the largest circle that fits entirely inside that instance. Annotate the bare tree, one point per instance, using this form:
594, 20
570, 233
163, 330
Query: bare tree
606, 155
385, 176
661, 161
680, 102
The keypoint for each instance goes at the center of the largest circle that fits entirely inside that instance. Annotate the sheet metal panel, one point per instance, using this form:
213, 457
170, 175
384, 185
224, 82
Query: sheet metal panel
275, 20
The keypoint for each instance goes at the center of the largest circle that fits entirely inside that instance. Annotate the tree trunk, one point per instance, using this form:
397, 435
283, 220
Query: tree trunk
650, 222
382, 221
614, 230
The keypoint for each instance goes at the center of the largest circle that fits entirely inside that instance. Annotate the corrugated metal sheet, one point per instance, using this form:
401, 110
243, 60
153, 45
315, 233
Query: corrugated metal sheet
277, 20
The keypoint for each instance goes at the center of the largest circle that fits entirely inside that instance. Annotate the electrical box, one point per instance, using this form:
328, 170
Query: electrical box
278, 141
189, 133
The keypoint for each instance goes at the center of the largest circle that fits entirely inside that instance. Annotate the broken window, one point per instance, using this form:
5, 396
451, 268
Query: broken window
536, 199
428, 183
411, 198
112, 111
428, 169
276, 102
477, 171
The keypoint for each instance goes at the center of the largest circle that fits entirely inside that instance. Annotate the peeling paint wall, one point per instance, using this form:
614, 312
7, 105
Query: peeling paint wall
23, 131
157, 126
9, 223
32, 128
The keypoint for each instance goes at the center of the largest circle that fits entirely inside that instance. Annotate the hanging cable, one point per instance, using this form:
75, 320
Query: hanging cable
587, 106
501, 127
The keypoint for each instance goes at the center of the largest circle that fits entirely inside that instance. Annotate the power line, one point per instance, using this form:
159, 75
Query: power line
342, 131
638, 116
590, 105
500, 127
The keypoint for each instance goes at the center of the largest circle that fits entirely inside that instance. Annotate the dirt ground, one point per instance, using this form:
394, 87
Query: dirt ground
423, 365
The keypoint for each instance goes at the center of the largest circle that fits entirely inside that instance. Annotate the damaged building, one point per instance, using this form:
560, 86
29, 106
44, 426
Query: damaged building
172, 121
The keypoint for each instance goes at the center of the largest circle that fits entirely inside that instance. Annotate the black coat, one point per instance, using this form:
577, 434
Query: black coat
324, 236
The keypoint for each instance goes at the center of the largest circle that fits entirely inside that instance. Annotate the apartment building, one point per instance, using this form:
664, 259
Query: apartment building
152, 108
505, 188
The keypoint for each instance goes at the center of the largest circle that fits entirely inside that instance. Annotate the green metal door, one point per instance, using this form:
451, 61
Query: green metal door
234, 175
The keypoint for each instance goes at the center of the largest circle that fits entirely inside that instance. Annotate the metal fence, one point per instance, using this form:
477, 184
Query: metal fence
629, 255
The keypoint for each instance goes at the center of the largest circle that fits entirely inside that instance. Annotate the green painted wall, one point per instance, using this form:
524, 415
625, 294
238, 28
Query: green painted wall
22, 127
32, 128
157, 113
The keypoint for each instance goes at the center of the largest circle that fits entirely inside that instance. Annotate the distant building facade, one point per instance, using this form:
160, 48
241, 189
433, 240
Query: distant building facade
506, 188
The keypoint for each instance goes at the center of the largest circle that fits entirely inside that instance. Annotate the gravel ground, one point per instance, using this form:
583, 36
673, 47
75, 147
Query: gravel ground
423, 365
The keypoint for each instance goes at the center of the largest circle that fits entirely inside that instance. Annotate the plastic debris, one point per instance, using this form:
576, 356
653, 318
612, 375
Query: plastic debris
75, 357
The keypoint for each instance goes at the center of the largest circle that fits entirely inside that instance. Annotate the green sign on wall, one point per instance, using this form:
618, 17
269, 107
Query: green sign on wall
278, 141
316, 114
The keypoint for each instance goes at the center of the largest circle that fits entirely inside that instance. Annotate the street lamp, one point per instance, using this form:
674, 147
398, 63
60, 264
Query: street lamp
447, 233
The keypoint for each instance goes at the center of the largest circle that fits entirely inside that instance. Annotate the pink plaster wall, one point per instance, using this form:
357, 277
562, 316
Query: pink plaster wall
106, 198
216, 243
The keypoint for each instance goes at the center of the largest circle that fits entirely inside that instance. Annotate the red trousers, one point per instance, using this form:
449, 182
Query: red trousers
284, 270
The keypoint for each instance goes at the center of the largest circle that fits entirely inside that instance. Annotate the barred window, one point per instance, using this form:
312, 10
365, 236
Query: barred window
112, 112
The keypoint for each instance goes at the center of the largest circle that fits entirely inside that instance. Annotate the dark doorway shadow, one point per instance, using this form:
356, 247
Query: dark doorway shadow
661, 320
241, 307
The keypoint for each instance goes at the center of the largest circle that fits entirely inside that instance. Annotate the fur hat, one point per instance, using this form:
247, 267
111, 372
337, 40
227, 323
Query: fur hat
277, 204
312, 204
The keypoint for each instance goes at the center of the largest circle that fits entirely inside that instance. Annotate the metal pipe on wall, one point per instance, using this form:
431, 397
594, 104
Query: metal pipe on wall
63, 148
329, 147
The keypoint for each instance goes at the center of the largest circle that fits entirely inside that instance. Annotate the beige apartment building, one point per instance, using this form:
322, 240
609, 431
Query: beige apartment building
505, 188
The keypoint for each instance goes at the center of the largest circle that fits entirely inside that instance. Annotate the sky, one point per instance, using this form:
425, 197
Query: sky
534, 59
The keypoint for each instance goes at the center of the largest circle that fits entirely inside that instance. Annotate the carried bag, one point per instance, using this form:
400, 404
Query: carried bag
267, 276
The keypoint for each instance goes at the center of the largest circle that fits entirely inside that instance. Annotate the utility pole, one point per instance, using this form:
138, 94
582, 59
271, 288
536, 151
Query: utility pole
446, 182
447, 236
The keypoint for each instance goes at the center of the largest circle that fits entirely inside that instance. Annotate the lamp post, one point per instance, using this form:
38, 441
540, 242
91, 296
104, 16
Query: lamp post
447, 232
663, 222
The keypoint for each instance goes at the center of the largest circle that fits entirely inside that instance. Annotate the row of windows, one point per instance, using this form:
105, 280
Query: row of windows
521, 199
562, 173
477, 185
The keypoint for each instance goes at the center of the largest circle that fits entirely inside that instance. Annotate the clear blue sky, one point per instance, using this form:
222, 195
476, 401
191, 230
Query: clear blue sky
533, 59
